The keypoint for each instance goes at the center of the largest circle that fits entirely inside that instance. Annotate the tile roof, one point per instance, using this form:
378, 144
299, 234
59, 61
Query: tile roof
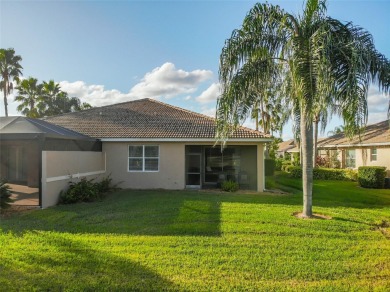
378, 133
286, 145
144, 118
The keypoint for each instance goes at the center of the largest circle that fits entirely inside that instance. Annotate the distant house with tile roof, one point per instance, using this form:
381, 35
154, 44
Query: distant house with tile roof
150, 144
372, 148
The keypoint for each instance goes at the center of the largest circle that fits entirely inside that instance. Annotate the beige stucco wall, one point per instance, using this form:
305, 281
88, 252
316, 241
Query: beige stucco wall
171, 167
171, 174
59, 166
363, 158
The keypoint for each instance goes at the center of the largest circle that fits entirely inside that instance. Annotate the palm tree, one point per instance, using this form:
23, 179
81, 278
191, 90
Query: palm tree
30, 94
316, 56
10, 69
336, 130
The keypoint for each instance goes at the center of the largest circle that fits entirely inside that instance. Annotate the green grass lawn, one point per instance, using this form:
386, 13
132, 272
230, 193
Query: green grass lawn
201, 241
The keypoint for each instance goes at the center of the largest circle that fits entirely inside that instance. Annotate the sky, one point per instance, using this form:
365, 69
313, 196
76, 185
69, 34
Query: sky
106, 52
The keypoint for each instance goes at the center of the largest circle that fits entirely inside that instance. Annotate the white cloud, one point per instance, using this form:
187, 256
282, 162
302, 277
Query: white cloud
95, 95
167, 81
210, 94
208, 111
378, 104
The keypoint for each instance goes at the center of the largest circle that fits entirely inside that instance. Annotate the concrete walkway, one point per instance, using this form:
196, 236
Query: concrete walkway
24, 196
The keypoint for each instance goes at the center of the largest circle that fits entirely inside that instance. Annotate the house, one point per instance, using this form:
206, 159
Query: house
286, 147
149, 144
371, 149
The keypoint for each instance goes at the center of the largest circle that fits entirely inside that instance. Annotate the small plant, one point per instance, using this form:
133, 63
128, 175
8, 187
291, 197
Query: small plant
5, 195
86, 190
229, 186
82, 191
278, 164
105, 185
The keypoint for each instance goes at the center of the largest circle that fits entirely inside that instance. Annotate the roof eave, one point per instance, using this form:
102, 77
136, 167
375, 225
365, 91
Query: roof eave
213, 140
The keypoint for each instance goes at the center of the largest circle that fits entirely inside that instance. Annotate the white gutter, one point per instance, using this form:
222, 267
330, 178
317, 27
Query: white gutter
184, 140
355, 145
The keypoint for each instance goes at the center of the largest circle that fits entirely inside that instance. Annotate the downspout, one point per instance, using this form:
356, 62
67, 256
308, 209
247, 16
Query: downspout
41, 143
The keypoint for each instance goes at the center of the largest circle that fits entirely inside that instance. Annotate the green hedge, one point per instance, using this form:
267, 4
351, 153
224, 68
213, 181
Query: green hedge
269, 165
285, 163
372, 176
325, 173
278, 164
295, 171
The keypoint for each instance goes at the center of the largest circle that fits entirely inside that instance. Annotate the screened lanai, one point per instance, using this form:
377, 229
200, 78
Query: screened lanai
22, 141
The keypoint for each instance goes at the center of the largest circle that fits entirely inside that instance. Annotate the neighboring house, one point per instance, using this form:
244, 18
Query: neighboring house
371, 149
149, 145
285, 147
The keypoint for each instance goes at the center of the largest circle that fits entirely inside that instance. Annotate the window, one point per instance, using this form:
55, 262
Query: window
374, 154
350, 159
144, 158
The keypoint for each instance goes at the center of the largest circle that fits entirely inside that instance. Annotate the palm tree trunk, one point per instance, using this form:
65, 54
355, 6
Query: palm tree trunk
315, 142
5, 100
307, 163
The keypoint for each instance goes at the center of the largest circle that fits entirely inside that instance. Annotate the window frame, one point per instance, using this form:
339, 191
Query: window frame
348, 159
374, 154
143, 157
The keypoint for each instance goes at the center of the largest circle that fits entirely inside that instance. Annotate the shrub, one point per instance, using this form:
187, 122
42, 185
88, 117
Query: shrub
372, 176
229, 186
86, 190
278, 164
269, 165
322, 161
325, 173
82, 191
329, 174
288, 168
105, 185
296, 159
285, 163
295, 171
5, 195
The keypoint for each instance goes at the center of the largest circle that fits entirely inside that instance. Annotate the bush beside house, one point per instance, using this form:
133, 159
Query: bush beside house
325, 173
372, 176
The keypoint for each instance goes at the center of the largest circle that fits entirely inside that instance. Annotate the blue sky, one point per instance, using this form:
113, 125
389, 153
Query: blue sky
113, 51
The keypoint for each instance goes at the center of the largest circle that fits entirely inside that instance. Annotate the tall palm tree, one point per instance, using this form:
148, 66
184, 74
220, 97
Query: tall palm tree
10, 69
30, 96
316, 56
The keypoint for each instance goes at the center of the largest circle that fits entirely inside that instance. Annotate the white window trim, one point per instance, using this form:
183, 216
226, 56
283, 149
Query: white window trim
143, 158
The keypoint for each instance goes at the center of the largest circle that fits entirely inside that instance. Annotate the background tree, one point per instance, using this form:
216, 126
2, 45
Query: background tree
316, 57
336, 130
46, 99
30, 96
10, 70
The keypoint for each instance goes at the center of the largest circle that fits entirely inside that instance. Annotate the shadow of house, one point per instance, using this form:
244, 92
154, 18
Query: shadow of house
82, 268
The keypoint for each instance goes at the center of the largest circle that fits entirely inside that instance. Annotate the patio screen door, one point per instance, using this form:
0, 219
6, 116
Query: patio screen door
193, 166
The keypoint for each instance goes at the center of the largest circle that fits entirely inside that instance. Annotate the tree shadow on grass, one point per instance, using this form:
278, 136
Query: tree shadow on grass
60, 262
157, 213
